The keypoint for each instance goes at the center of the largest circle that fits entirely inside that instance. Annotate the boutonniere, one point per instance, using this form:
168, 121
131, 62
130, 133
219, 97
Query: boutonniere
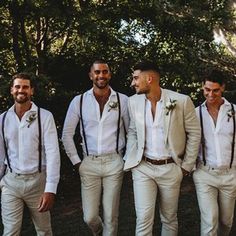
170, 106
32, 116
230, 114
112, 105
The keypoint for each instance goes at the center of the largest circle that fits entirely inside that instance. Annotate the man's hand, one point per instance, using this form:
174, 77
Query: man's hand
2, 170
46, 202
185, 172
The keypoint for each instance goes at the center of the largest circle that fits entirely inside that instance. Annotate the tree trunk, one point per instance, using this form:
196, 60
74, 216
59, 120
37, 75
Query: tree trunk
26, 43
41, 45
14, 9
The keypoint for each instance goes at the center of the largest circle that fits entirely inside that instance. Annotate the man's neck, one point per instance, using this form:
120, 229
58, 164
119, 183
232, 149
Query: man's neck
102, 96
154, 95
20, 109
216, 105
213, 109
102, 92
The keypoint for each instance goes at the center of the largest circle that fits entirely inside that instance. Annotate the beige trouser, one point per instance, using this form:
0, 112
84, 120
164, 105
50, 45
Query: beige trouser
18, 190
216, 193
101, 175
148, 180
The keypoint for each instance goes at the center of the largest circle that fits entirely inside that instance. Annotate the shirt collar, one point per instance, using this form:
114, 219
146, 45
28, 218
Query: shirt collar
33, 108
162, 96
112, 92
226, 103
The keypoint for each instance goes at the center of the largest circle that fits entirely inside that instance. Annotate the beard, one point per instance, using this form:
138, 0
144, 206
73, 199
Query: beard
141, 91
101, 83
21, 100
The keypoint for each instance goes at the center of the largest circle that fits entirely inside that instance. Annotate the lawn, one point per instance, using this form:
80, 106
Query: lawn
67, 218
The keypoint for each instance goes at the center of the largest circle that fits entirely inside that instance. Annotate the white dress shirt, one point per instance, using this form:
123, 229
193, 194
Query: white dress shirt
155, 147
22, 141
218, 138
100, 131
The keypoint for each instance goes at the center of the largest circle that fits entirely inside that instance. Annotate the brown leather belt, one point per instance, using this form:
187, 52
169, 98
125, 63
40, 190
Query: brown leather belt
159, 162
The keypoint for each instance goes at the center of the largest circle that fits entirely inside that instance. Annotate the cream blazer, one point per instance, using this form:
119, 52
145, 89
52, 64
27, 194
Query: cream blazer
181, 129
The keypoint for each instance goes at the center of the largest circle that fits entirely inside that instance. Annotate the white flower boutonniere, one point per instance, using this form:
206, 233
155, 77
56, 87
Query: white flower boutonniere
112, 105
170, 106
230, 114
32, 116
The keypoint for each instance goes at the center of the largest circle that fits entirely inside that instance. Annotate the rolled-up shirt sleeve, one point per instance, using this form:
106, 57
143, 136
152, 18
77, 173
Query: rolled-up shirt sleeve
52, 154
2, 151
125, 113
70, 124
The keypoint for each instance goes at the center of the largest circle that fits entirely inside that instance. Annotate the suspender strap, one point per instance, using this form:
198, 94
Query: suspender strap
40, 141
39, 145
202, 136
82, 123
203, 139
118, 123
233, 141
4, 141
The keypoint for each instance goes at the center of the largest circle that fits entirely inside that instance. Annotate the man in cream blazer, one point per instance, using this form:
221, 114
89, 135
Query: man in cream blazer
162, 146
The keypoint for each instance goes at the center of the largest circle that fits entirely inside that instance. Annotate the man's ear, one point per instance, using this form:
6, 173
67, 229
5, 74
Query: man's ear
202, 85
90, 77
32, 91
223, 88
149, 79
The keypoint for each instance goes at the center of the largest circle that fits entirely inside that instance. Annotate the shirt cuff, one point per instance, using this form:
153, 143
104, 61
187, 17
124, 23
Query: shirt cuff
50, 188
187, 167
75, 159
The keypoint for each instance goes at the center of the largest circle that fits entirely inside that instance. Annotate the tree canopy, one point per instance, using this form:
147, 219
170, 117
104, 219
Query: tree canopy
57, 40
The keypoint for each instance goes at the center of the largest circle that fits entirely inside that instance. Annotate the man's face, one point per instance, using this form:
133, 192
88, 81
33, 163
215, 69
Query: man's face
100, 75
21, 91
212, 91
139, 82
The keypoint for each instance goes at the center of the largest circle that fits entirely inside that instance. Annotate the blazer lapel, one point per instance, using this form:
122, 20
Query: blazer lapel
140, 114
166, 98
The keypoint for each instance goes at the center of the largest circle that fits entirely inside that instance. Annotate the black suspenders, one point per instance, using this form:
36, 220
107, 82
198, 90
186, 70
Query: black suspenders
4, 141
39, 146
203, 138
82, 123
118, 124
40, 141
233, 141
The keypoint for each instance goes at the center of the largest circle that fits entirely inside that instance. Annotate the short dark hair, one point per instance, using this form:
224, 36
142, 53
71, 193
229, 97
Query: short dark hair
24, 76
147, 65
99, 61
215, 76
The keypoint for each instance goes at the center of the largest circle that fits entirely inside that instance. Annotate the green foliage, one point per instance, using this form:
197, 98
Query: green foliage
59, 39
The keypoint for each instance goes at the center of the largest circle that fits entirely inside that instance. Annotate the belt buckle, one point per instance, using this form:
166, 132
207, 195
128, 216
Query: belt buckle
166, 161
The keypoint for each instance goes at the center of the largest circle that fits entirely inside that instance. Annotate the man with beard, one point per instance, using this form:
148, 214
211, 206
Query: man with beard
29, 156
103, 117
215, 175
162, 147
